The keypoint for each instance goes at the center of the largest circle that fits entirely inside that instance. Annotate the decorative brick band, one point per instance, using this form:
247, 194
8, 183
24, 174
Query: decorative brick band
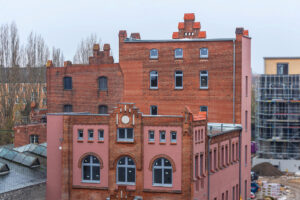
90, 154
162, 156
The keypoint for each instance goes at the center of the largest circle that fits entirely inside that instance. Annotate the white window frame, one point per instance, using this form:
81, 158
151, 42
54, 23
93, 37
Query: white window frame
149, 138
162, 167
161, 132
34, 138
179, 75
100, 138
203, 75
91, 165
90, 131
126, 139
153, 56
171, 136
78, 134
154, 75
126, 166
203, 55
176, 53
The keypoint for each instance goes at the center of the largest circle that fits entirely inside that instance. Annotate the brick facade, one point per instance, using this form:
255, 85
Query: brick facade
22, 133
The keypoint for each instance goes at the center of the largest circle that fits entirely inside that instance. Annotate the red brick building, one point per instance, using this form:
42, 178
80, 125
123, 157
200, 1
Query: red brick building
162, 77
129, 155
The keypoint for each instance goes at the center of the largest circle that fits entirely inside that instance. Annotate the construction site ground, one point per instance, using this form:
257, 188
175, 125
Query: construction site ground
290, 186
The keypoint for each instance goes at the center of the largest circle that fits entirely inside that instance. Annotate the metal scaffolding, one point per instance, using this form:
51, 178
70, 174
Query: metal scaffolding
277, 117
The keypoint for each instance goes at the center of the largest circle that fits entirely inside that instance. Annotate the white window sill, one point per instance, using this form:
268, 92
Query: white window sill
121, 183
153, 88
178, 88
86, 181
125, 140
162, 185
203, 88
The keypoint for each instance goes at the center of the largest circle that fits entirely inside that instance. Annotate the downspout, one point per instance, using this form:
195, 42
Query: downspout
240, 163
233, 85
208, 167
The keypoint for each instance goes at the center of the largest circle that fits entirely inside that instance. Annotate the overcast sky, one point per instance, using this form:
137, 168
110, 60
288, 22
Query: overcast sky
274, 25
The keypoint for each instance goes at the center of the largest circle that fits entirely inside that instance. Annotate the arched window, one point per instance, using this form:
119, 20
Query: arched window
162, 172
153, 80
90, 169
126, 171
68, 83
102, 83
102, 109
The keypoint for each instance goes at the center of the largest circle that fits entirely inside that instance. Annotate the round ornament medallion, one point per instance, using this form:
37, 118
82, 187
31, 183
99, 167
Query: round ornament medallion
125, 119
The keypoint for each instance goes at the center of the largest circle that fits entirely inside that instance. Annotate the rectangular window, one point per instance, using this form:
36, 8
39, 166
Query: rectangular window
203, 109
153, 80
201, 165
203, 79
68, 83
90, 134
204, 53
246, 155
68, 108
223, 196
210, 161
222, 156
173, 136
162, 136
246, 189
226, 155
153, 54
100, 134
151, 136
178, 80
282, 68
226, 195
178, 53
237, 151
215, 159
232, 153
233, 193
125, 134
153, 110
246, 120
237, 192
80, 134
196, 166
102, 84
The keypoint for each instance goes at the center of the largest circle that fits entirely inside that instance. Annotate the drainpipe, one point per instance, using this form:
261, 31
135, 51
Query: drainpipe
208, 167
233, 85
240, 163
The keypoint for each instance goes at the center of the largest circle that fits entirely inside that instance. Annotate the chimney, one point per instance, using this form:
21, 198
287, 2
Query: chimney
122, 35
96, 49
49, 63
67, 63
106, 49
135, 36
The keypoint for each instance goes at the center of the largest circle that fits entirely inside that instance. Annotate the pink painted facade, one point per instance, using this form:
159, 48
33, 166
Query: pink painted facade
170, 149
88, 146
54, 156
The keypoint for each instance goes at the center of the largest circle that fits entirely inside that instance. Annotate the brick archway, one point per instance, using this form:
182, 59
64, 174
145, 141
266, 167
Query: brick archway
162, 156
90, 154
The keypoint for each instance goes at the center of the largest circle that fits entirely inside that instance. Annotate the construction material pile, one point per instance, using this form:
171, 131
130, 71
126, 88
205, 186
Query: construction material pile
266, 169
271, 189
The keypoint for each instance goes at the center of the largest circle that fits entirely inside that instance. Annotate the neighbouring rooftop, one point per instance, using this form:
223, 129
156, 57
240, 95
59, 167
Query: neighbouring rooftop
215, 129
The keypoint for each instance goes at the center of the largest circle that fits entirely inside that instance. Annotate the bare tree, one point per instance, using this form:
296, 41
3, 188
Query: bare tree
85, 49
57, 57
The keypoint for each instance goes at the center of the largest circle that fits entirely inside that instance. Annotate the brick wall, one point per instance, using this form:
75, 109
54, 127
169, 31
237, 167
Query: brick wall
22, 133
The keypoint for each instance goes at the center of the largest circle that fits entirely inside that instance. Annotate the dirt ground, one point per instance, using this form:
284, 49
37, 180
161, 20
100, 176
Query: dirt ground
291, 190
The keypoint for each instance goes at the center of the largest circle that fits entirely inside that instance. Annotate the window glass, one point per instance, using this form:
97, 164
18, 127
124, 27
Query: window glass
203, 109
102, 83
80, 134
126, 171
162, 136
103, 109
178, 53
153, 110
204, 79
34, 139
68, 108
204, 53
178, 79
100, 134
67, 83
153, 80
151, 135
282, 69
153, 53
91, 134
173, 136
125, 134
162, 172
90, 169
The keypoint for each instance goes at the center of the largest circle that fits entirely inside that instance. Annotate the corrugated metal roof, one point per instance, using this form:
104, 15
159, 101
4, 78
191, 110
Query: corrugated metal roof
38, 149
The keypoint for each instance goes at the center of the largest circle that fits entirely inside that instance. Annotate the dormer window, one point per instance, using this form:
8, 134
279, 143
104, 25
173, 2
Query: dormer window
153, 54
204, 53
178, 53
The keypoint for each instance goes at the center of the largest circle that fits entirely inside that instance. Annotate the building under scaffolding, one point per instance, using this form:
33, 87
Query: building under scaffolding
277, 120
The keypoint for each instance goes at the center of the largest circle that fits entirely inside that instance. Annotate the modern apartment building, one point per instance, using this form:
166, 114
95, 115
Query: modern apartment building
162, 77
278, 113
